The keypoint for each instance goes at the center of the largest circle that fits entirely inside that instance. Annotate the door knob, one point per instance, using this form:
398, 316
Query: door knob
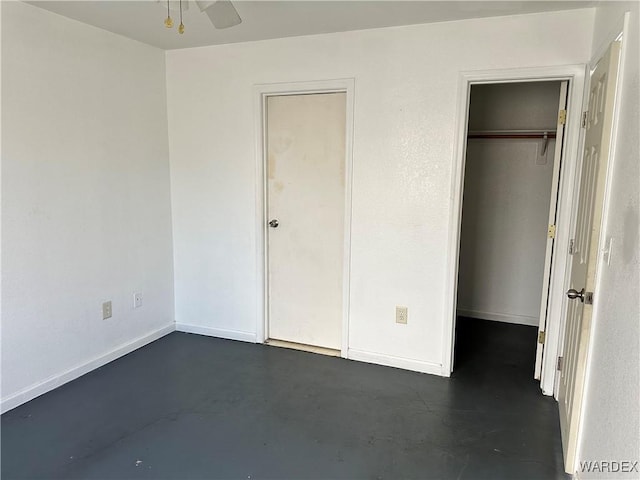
573, 294
274, 223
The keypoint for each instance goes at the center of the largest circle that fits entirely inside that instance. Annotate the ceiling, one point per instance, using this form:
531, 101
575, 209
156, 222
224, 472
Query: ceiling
143, 20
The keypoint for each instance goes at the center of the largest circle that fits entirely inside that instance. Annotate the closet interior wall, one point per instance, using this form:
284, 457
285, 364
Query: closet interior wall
506, 202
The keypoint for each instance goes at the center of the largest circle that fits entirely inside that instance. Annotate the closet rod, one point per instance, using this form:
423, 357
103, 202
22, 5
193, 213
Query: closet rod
545, 134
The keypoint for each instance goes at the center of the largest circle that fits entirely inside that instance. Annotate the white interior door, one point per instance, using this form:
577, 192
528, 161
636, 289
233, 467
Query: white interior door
305, 208
584, 255
557, 159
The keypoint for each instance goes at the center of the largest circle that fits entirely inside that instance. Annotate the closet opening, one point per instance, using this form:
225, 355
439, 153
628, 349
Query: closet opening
514, 150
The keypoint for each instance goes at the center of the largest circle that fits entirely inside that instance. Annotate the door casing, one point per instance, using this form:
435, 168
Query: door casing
576, 75
261, 93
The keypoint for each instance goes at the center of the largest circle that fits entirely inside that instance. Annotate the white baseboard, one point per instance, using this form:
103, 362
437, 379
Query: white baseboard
500, 317
217, 332
37, 389
398, 362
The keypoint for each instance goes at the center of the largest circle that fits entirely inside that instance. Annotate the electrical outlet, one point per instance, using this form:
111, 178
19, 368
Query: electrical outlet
137, 300
106, 310
401, 315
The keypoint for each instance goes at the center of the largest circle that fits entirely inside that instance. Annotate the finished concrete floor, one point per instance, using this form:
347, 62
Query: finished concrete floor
188, 406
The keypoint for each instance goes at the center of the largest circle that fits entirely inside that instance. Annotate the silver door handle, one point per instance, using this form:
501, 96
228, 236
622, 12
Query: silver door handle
573, 294
274, 223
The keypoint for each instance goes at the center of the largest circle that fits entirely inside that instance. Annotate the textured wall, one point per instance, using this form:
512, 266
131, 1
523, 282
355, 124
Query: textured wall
85, 195
406, 87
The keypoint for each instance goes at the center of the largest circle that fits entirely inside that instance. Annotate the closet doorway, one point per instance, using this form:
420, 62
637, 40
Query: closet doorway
511, 182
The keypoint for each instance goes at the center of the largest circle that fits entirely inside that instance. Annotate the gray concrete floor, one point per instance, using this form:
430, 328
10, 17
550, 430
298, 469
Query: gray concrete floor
188, 406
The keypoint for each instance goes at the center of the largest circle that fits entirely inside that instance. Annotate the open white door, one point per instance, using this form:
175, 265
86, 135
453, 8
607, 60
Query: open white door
553, 204
584, 252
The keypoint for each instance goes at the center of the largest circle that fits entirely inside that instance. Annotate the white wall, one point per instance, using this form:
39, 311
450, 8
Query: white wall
85, 198
405, 112
506, 203
611, 427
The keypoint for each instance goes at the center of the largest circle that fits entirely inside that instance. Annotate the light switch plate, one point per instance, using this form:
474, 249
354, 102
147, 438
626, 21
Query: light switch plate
606, 251
137, 300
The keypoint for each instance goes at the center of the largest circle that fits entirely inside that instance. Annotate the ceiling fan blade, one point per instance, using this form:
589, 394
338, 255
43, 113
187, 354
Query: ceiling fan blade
221, 13
203, 4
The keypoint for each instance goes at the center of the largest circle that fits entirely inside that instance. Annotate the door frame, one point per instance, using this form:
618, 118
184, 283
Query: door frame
261, 93
576, 75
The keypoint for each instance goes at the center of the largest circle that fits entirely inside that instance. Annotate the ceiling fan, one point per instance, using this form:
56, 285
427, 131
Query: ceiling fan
222, 13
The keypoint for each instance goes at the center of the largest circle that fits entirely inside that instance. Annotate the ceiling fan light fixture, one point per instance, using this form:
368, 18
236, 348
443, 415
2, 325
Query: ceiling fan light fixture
222, 13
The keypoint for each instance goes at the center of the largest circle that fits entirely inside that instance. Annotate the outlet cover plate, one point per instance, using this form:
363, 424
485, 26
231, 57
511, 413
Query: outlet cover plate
137, 300
402, 315
107, 310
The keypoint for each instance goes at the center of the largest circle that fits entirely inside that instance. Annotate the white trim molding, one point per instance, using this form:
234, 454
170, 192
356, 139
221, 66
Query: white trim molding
55, 381
260, 93
575, 74
217, 332
397, 362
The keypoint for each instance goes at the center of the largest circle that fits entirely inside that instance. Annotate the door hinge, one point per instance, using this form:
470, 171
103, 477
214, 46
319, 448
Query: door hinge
584, 118
541, 337
562, 117
551, 232
559, 364
572, 246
